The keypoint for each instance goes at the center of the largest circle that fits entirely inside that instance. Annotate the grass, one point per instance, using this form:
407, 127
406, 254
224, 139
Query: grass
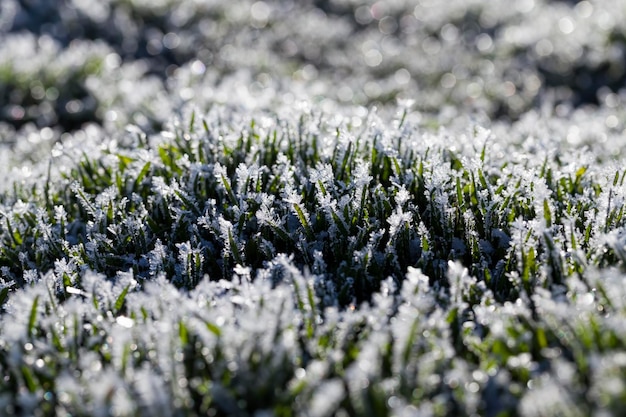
302, 266
209, 209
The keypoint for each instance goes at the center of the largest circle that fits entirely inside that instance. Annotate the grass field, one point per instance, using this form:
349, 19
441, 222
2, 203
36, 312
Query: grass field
317, 208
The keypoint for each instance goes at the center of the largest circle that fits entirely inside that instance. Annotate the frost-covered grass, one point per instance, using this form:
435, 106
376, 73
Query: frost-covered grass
64, 62
310, 264
325, 208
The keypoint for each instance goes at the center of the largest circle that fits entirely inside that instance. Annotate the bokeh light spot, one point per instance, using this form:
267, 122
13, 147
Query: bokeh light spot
402, 76
566, 25
171, 40
260, 12
448, 80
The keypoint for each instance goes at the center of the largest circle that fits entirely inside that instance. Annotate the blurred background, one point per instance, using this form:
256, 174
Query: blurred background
68, 63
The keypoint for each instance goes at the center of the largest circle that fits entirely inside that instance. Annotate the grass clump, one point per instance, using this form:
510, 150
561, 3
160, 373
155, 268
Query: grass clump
237, 263
202, 211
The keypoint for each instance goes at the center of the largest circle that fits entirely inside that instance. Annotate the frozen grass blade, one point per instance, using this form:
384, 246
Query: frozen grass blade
32, 318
